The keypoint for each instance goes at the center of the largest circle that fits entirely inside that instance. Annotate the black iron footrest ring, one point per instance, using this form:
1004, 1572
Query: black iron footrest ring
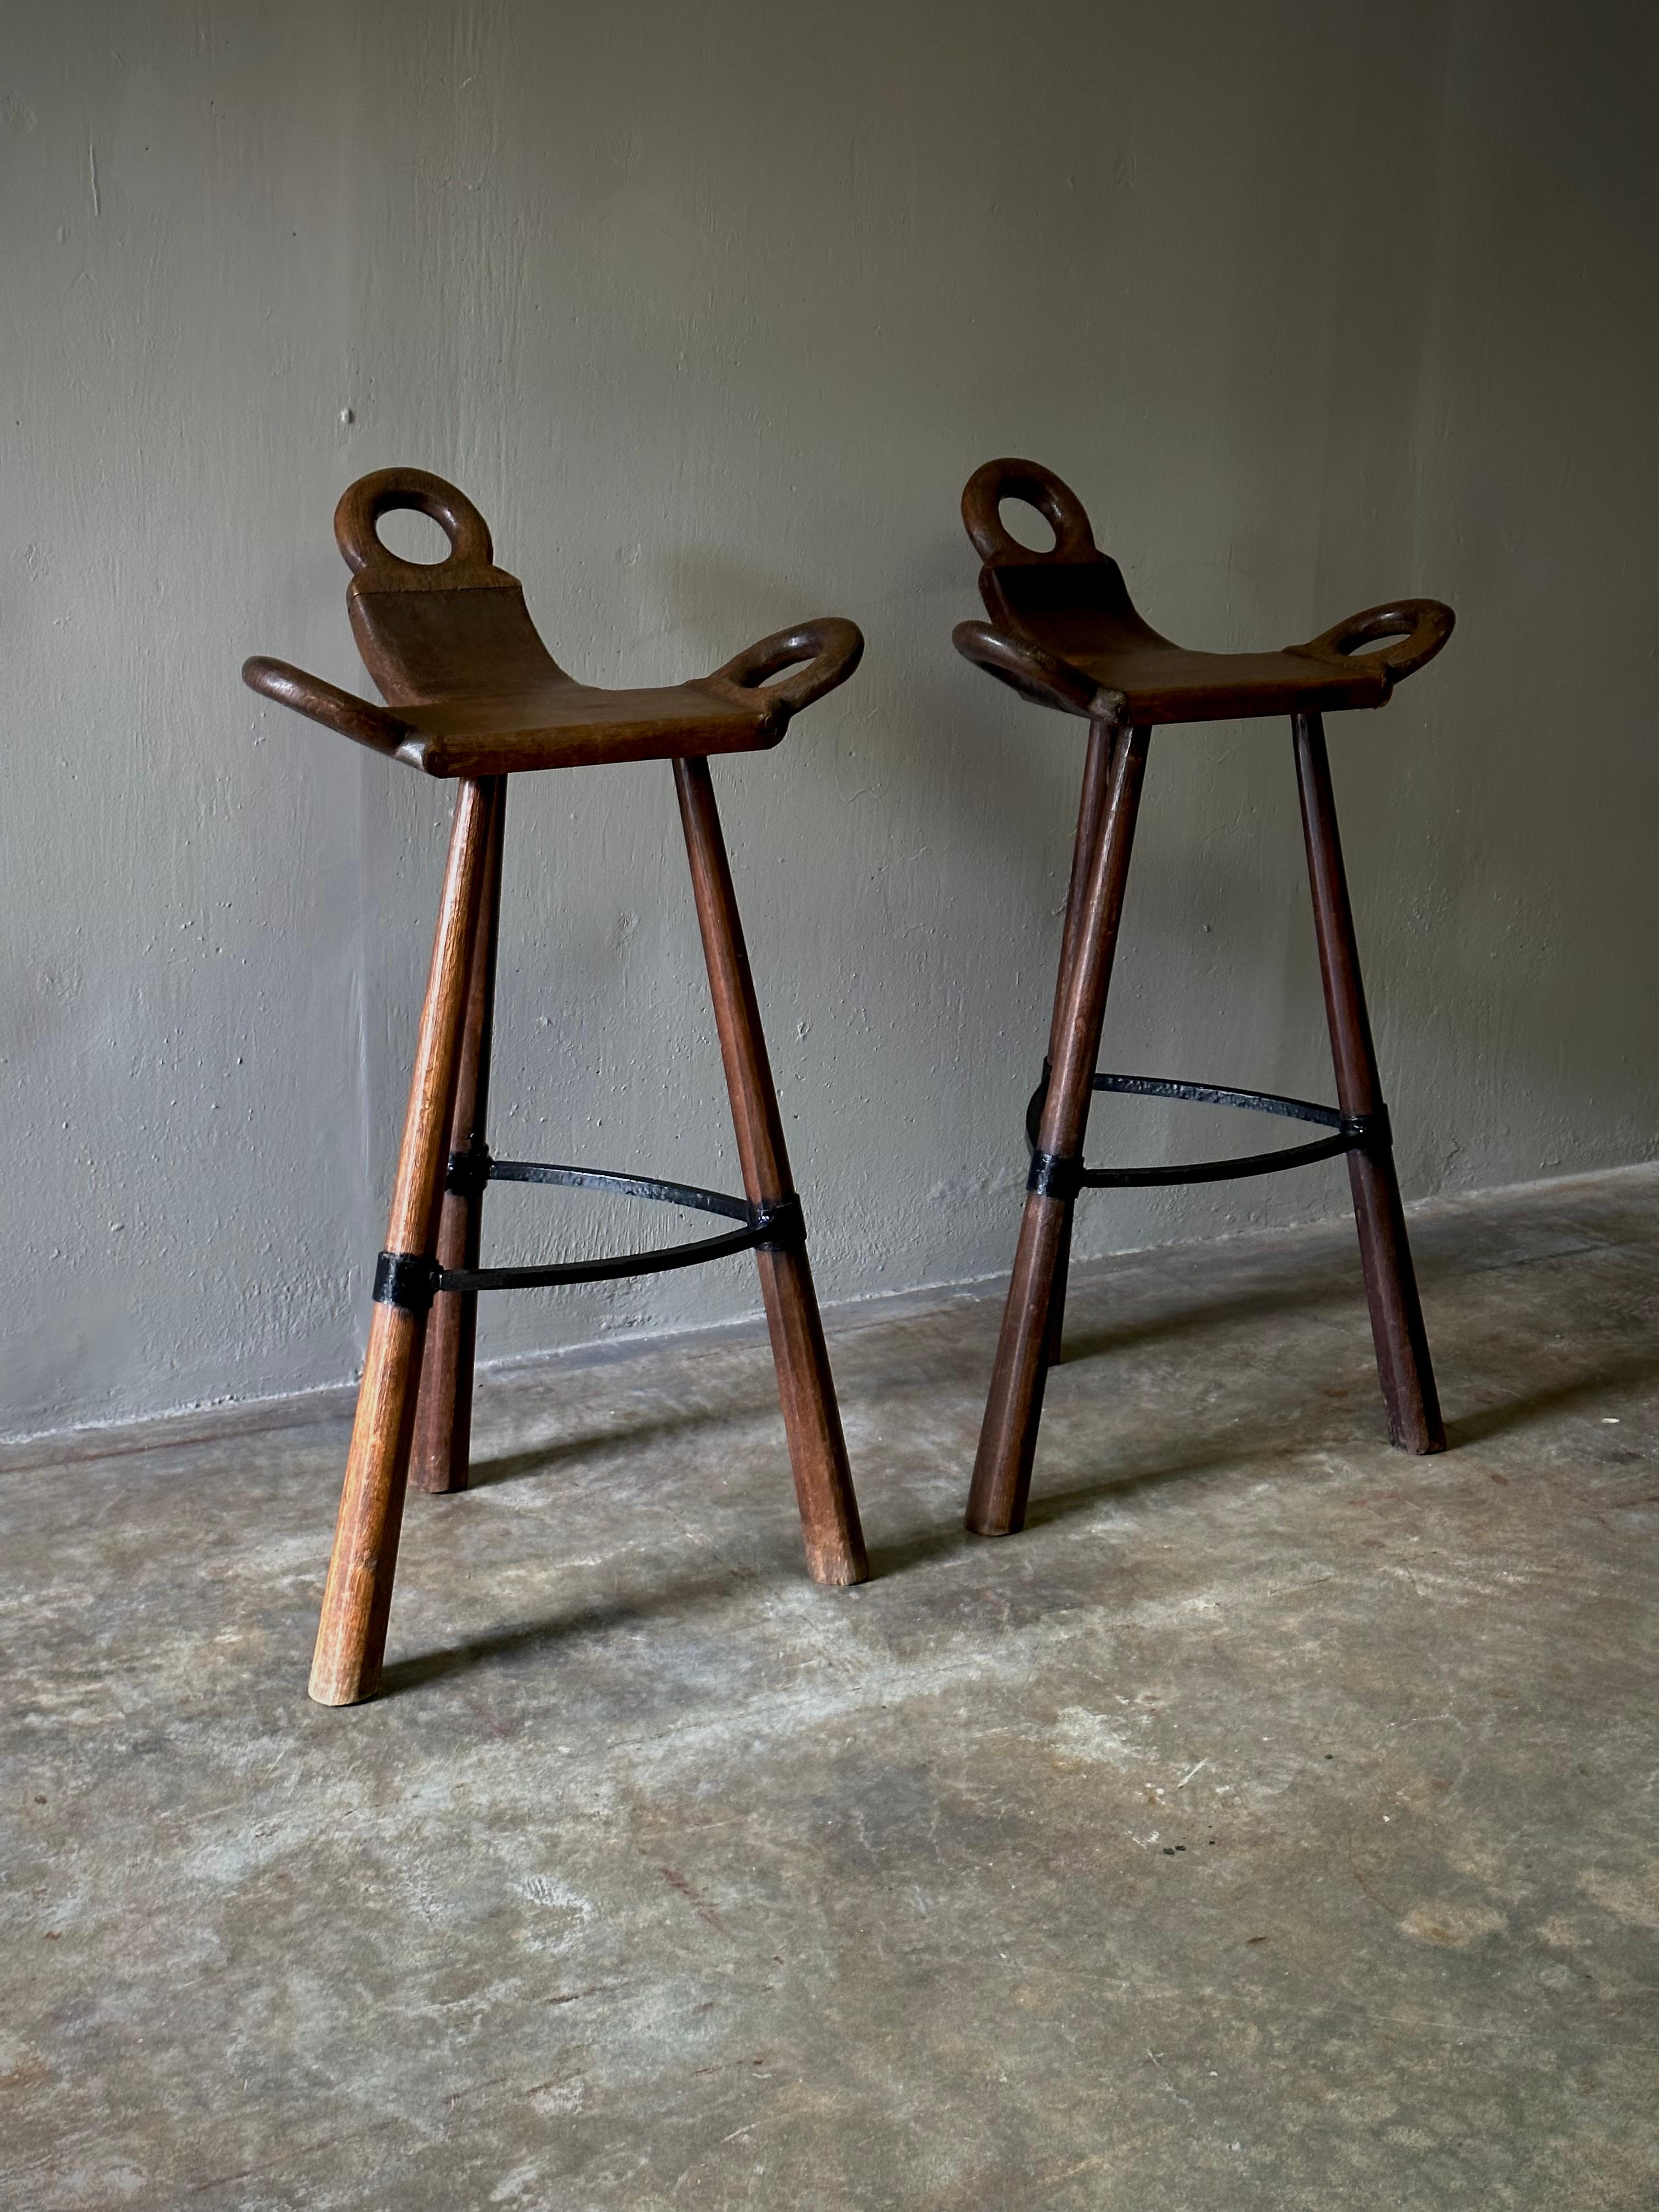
1061, 1178
775, 1224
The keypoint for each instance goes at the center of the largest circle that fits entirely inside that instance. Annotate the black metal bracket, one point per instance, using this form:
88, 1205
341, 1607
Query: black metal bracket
1354, 1133
781, 1224
468, 1171
1051, 1177
774, 1224
406, 1279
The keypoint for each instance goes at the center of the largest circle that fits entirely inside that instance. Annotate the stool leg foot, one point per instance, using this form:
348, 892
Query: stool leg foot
1053, 1346
442, 1448
1014, 1410
1007, 1443
357, 1601
831, 1534
817, 1451
1403, 1364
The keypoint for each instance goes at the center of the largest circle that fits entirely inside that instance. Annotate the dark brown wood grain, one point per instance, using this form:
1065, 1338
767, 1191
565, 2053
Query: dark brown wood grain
1096, 776
1403, 1364
812, 1419
443, 1420
1064, 634
357, 1599
473, 693
1002, 1469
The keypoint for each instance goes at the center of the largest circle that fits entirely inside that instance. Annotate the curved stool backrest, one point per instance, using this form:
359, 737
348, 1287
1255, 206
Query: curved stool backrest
453, 629
1058, 594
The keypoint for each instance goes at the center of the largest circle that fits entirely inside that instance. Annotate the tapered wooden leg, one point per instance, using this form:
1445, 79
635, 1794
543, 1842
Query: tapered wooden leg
443, 1419
812, 1419
1007, 1443
351, 1635
1403, 1364
1091, 806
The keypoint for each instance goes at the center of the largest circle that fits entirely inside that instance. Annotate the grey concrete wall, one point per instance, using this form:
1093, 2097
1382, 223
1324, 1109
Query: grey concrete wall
713, 308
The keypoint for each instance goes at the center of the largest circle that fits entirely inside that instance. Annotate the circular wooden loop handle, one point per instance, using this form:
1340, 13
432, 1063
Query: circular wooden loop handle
358, 514
1057, 503
1422, 626
830, 648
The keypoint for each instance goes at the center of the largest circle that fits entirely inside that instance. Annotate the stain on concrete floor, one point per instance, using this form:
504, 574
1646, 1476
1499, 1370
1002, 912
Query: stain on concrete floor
1272, 1826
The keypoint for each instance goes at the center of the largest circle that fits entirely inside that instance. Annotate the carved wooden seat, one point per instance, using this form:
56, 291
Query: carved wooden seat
1064, 633
471, 693
476, 692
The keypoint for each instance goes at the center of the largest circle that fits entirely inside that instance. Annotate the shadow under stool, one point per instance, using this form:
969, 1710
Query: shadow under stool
1063, 633
473, 696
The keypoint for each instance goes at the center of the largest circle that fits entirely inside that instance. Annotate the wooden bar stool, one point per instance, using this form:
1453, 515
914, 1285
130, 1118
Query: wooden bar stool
1063, 632
474, 697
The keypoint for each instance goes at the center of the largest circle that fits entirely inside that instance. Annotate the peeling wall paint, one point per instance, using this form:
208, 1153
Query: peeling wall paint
713, 308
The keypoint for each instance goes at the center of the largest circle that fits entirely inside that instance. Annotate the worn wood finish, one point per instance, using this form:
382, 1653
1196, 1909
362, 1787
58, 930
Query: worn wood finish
1403, 1363
1096, 776
1007, 1443
357, 1601
443, 1421
471, 690
1064, 632
817, 1450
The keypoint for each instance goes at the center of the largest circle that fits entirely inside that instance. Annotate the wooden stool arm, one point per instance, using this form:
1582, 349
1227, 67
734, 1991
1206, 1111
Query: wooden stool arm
1422, 626
830, 648
344, 711
1041, 677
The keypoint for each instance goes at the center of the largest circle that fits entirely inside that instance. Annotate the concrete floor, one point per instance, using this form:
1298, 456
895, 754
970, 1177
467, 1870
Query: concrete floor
1272, 1826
